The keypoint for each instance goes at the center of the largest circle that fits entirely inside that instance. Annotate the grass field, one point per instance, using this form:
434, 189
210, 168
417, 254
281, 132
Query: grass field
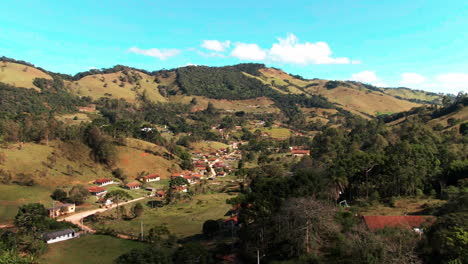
255, 105
133, 161
13, 196
74, 119
275, 132
183, 219
208, 146
109, 85
90, 249
412, 94
20, 75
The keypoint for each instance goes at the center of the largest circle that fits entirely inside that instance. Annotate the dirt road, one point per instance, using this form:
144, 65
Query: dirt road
76, 218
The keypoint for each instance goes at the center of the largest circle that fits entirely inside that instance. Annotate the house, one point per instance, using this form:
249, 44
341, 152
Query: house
160, 194
61, 209
96, 190
150, 178
133, 185
103, 182
300, 152
413, 222
221, 174
57, 236
180, 188
175, 175
105, 202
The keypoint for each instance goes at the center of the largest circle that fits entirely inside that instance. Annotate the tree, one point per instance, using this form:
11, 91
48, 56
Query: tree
210, 228
137, 210
59, 195
157, 234
119, 174
146, 255
10, 257
192, 253
178, 181
78, 194
31, 218
118, 196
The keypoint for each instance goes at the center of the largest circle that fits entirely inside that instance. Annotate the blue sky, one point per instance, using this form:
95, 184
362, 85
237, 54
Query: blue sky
420, 44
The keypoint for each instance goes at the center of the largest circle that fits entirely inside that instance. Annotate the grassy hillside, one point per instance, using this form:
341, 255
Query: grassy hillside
62, 165
410, 94
20, 75
349, 96
183, 219
255, 105
128, 85
91, 249
231, 88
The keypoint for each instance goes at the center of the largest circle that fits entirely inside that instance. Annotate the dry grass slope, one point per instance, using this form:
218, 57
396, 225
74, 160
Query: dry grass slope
20, 75
111, 85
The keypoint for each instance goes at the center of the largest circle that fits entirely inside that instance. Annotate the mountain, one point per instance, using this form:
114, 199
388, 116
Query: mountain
230, 88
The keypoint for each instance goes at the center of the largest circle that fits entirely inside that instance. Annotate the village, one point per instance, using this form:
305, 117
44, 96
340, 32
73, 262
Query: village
209, 167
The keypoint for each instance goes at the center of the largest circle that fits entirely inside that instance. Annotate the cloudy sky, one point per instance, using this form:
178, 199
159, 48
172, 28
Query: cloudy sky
418, 44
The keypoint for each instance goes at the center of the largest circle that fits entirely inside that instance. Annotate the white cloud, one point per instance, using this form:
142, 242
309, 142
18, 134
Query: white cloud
290, 50
216, 45
161, 54
368, 77
245, 51
441, 83
410, 78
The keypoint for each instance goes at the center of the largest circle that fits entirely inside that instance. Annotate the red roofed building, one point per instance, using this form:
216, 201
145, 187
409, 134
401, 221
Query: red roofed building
133, 185
300, 152
175, 175
103, 182
150, 178
414, 222
179, 188
96, 190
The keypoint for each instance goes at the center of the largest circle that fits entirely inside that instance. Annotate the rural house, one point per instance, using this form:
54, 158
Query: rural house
61, 209
96, 190
133, 185
57, 236
300, 152
103, 182
150, 178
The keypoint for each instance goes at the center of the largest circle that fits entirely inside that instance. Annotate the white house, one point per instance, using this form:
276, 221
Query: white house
57, 236
103, 182
150, 178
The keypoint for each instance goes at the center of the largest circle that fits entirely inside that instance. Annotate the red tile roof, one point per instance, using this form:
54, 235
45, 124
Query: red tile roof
374, 222
133, 184
152, 176
101, 181
300, 151
95, 189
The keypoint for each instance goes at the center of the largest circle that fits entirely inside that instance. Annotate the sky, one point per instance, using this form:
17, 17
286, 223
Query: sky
417, 44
